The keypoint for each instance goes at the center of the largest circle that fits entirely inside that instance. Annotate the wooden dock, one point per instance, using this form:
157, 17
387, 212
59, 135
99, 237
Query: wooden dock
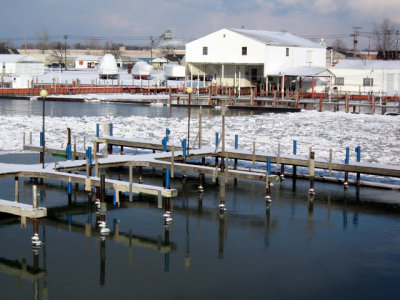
21, 209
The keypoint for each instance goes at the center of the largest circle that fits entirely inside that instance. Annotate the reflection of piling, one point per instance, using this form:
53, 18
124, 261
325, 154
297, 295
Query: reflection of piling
221, 236
102, 261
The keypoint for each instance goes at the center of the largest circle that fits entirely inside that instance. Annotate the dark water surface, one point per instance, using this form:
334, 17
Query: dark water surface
341, 245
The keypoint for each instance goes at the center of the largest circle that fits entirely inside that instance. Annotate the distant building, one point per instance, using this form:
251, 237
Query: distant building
20, 69
86, 61
367, 76
20, 65
242, 58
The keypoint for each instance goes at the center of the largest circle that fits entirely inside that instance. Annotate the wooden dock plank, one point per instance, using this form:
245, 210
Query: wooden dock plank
21, 209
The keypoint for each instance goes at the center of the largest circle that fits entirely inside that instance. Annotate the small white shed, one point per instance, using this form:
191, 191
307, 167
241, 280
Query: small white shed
20, 65
86, 61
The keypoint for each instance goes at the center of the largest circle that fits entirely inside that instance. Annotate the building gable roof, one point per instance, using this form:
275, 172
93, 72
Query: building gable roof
16, 58
275, 38
367, 64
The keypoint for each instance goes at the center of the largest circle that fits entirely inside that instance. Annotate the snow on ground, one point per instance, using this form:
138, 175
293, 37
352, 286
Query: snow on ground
378, 135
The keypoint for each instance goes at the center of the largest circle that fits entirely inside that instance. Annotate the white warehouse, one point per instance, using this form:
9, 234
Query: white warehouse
242, 58
367, 76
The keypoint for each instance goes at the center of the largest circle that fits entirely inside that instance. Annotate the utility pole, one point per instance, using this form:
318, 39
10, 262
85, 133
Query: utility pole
65, 50
355, 35
397, 44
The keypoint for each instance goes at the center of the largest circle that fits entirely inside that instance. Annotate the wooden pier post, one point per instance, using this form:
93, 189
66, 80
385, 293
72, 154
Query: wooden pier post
373, 104
130, 182
222, 191
200, 126
320, 103
311, 170
16, 189
267, 182
294, 166
346, 173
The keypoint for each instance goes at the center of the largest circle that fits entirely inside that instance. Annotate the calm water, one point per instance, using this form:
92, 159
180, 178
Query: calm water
343, 245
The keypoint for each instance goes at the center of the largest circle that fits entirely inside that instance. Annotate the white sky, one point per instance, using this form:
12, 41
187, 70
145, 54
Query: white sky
190, 18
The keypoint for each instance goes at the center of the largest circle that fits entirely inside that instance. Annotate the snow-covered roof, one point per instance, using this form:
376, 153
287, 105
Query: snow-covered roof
367, 64
276, 38
88, 57
306, 71
14, 58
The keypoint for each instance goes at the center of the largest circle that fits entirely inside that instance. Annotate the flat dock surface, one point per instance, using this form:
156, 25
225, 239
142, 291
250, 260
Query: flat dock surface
21, 209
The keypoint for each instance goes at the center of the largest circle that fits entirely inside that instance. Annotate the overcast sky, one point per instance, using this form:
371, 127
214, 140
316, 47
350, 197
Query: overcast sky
190, 19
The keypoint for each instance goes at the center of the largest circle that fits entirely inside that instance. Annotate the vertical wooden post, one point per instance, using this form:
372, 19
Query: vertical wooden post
222, 206
254, 153
373, 104
16, 190
267, 182
294, 166
346, 173
298, 99
311, 170
130, 182
200, 126
172, 161
320, 103
330, 162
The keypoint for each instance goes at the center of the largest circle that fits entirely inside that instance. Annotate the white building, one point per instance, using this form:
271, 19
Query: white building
20, 69
20, 65
86, 61
367, 76
241, 58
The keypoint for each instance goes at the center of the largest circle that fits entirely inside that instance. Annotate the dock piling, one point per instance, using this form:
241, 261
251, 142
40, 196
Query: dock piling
311, 170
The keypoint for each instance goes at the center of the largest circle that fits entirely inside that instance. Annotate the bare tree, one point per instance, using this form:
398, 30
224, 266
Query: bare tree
112, 48
384, 35
58, 55
92, 43
43, 39
339, 45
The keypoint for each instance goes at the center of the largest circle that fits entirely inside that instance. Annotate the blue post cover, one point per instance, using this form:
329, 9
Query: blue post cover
294, 147
184, 148
236, 141
41, 139
358, 151
269, 165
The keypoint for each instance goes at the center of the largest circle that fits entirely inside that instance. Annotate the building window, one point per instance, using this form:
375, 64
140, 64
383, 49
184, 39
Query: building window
368, 82
244, 50
205, 50
287, 51
339, 80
